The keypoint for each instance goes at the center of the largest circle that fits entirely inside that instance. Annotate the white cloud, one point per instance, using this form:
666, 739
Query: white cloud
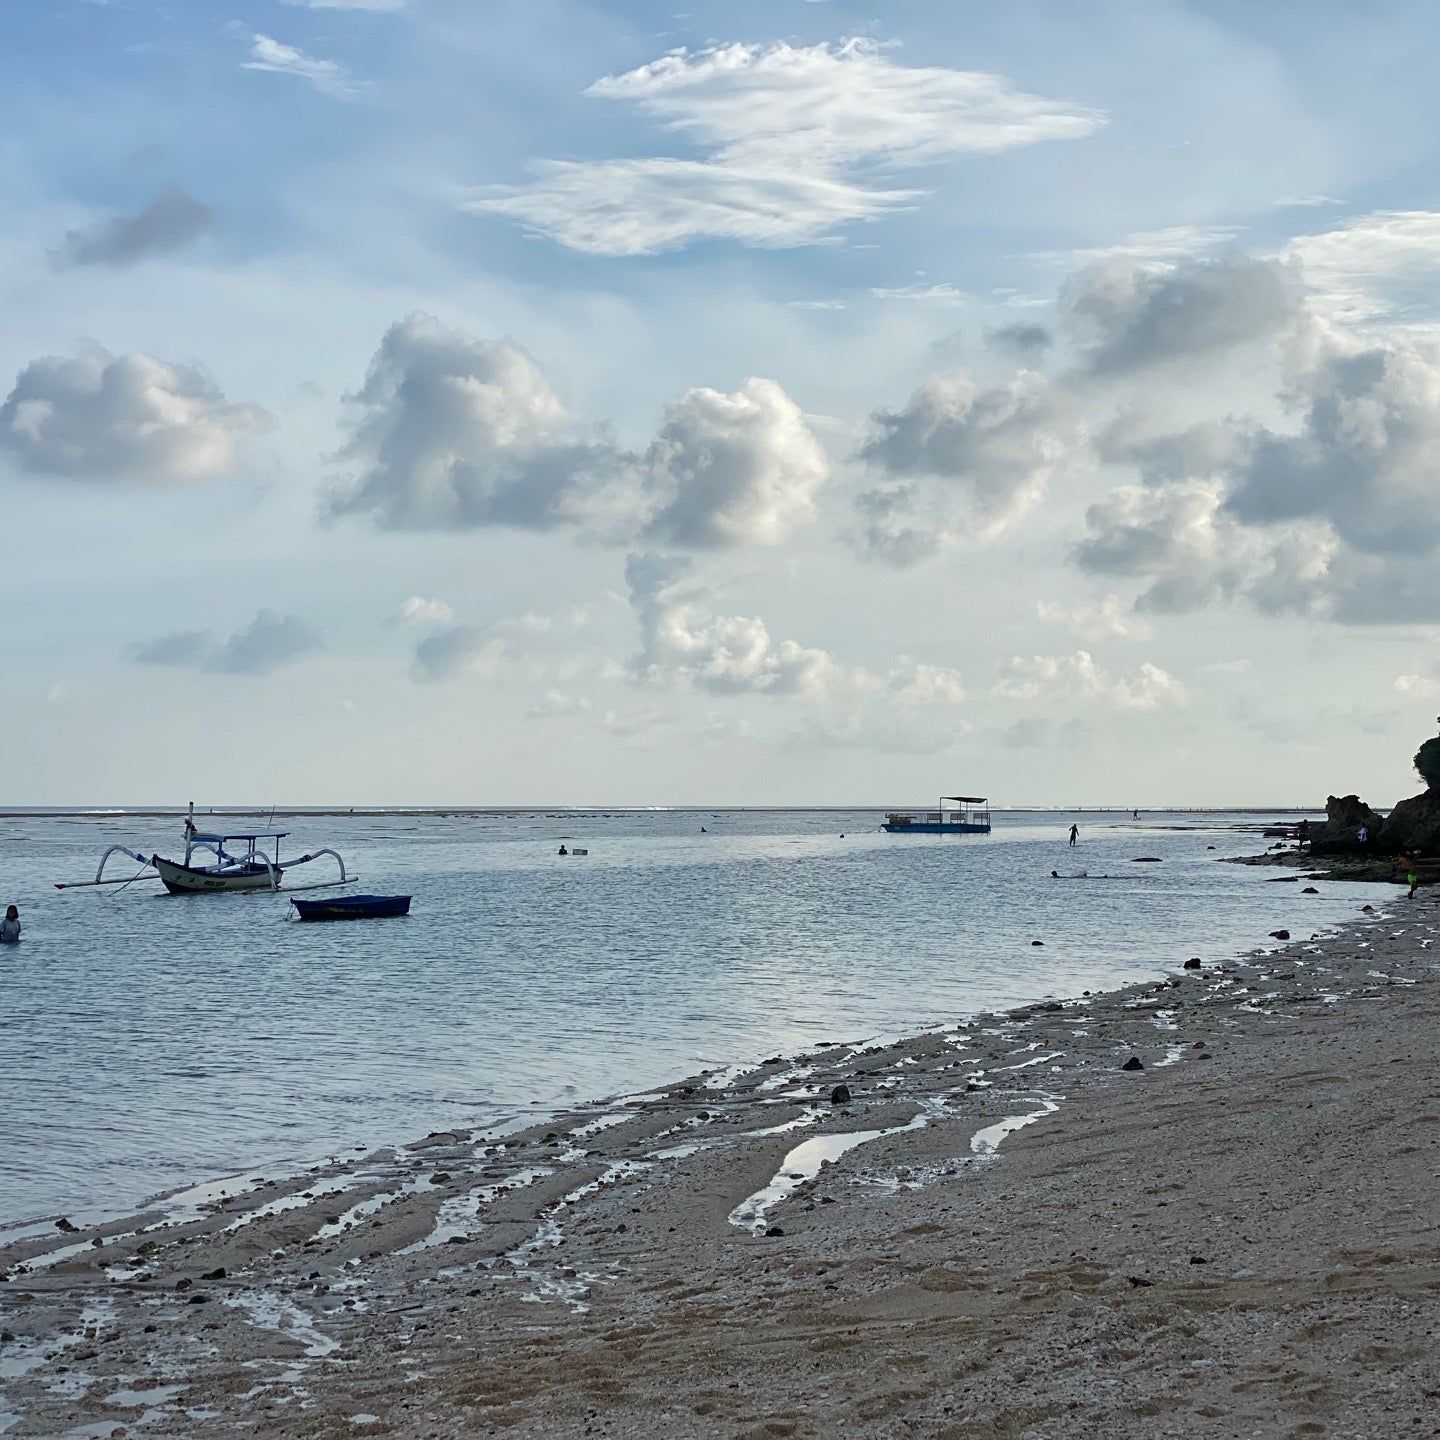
1078, 676
449, 432
453, 433
269, 642
98, 416
1193, 552
1418, 687
1099, 619
941, 293
329, 77
682, 643
998, 446
420, 610
797, 142
733, 469
1377, 268
1147, 249
556, 703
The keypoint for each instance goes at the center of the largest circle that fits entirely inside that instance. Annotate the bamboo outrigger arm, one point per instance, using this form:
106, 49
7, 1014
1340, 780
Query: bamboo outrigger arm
100, 873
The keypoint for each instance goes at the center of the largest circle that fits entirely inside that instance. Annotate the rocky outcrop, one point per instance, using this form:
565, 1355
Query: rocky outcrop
1413, 826
1345, 816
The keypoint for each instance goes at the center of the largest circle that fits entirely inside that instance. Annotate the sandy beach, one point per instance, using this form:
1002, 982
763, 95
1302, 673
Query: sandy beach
1000, 1228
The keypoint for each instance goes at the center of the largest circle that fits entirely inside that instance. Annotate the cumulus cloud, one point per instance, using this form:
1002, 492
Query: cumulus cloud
1366, 456
1338, 515
1104, 618
424, 610
329, 77
999, 446
1418, 687
1079, 676
796, 141
450, 433
733, 469
555, 703
269, 642
1193, 553
171, 220
681, 642
458, 649
99, 416
908, 707
1128, 317
508, 649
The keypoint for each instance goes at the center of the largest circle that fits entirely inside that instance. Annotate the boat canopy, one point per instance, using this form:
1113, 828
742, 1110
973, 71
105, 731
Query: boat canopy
211, 838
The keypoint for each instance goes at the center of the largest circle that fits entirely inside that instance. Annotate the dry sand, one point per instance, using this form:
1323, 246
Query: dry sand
1239, 1239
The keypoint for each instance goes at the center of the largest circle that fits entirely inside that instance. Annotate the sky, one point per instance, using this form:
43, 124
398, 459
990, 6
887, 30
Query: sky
801, 402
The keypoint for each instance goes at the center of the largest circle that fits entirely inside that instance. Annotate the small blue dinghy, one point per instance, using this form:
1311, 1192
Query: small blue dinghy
353, 907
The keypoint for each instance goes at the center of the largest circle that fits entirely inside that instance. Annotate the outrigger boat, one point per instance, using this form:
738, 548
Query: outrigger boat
240, 861
967, 815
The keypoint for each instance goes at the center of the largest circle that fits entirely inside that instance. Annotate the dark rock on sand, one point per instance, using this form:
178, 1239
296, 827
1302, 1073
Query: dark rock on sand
1040, 943
840, 1095
1414, 826
1193, 963
1279, 934
1133, 1063
1344, 817
1309, 890
65, 1227
774, 1230
217, 1274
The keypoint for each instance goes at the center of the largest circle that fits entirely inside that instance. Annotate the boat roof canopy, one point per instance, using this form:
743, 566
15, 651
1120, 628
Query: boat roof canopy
968, 799
242, 835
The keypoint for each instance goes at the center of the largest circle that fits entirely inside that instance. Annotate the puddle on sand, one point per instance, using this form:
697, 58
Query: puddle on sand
987, 1141
804, 1163
455, 1220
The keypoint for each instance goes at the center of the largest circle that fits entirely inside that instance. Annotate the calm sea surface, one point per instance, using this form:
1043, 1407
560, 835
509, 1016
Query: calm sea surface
147, 1042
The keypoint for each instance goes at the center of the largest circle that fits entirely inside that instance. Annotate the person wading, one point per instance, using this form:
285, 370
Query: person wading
1074, 834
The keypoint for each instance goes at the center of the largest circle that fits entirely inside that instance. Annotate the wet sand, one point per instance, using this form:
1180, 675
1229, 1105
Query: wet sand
1001, 1232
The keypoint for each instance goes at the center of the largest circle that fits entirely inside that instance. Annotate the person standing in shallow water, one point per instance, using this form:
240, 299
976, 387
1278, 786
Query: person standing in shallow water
1074, 834
10, 926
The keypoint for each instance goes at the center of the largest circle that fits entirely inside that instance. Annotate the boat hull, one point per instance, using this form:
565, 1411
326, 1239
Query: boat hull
926, 827
353, 907
181, 879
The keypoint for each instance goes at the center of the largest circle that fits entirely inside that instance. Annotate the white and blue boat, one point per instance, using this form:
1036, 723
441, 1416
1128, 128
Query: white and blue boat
957, 815
216, 863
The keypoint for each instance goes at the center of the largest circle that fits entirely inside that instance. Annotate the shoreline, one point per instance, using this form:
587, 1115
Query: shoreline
308, 1302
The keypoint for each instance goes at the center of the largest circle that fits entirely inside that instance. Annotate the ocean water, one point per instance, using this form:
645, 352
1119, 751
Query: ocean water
149, 1042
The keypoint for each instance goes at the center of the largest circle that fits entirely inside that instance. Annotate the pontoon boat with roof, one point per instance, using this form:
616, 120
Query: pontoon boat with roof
966, 815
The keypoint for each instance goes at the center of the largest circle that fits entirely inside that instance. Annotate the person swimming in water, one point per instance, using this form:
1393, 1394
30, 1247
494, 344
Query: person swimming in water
10, 926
